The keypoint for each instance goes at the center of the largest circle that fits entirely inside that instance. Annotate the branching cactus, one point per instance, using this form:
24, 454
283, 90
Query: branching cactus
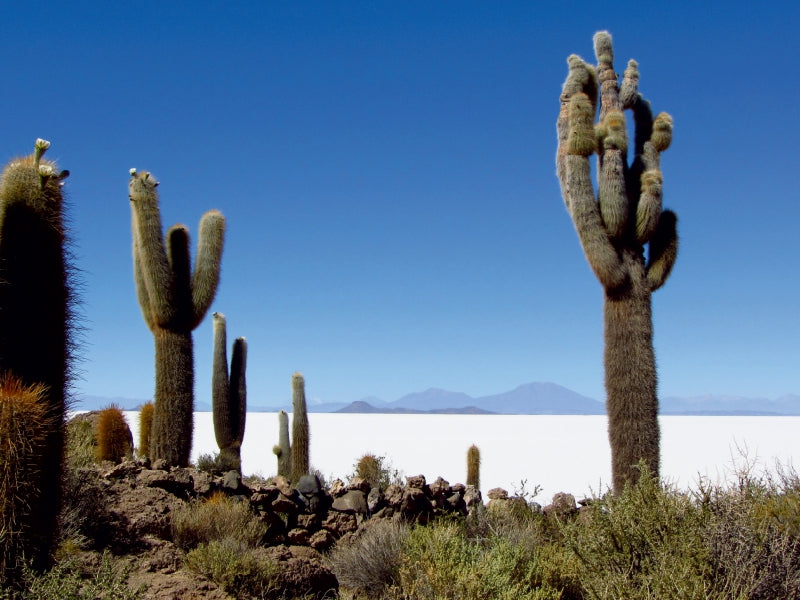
174, 300
228, 393
474, 466
300, 435
614, 226
282, 449
36, 313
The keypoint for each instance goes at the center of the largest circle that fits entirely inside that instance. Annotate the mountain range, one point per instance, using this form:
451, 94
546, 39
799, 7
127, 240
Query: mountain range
539, 398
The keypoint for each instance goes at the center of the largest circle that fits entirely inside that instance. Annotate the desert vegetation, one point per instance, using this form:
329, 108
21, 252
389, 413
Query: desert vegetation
84, 516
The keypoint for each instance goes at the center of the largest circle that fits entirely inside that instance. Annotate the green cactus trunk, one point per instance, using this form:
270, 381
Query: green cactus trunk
283, 449
174, 300
173, 412
300, 432
630, 377
228, 393
474, 466
35, 318
617, 226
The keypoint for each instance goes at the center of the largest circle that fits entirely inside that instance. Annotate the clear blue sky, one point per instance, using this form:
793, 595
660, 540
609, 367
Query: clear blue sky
387, 173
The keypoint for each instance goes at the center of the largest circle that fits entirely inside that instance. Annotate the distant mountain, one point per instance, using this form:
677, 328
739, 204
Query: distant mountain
541, 398
710, 404
360, 406
431, 399
99, 402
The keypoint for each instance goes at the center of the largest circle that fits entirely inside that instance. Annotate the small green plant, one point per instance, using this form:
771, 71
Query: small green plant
145, 427
369, 562
218, 463
68, 581
377, 470
236, 568
214, 519
113, 435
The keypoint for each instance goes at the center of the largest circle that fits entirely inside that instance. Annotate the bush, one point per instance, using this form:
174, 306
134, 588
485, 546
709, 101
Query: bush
68, 581
369, 562
235, 568
217, 464
215, 519
440, 563
377, 471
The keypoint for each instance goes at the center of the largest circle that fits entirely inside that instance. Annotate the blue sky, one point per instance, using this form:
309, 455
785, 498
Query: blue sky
387, 174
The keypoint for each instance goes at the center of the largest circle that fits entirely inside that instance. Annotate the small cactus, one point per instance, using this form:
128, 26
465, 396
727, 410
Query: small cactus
25, 424
228, 393
300, 434
283, 449
174, 299
474, 466
145, 427
113, 435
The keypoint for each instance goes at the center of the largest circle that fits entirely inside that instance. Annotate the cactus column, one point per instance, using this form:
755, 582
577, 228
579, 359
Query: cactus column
35, 316
300, 436
174, 300
614, 227
228, 393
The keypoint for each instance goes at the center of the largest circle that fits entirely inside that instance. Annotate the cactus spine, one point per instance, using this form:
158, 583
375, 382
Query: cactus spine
300, 435
174, 300
283, 450
36, 315
474, 466
613, 229
228, 392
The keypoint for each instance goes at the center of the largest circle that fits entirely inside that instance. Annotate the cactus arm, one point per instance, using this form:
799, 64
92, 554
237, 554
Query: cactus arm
155, 269
300, 434
181, 265
141, 284
580, 79
207, 263
663, 250
219, 383
600, 252
238, 385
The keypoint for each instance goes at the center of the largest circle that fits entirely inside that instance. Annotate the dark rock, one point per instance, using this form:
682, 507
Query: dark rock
563, 505
321, 540
417, 481
362, 485
309, 485
353, 501
374, 500
393, 496
498, 494
339, 523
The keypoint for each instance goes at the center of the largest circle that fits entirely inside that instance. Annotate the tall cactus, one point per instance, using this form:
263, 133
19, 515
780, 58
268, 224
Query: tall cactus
35, 313
174, 300
282, 449
300, 435
228, 393
614, 227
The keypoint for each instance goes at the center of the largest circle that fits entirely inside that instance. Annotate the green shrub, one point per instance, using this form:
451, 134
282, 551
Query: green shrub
215, 519
218, 463
369, 562
234, 567
377, 470
440, 563
68, 581
645, 542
